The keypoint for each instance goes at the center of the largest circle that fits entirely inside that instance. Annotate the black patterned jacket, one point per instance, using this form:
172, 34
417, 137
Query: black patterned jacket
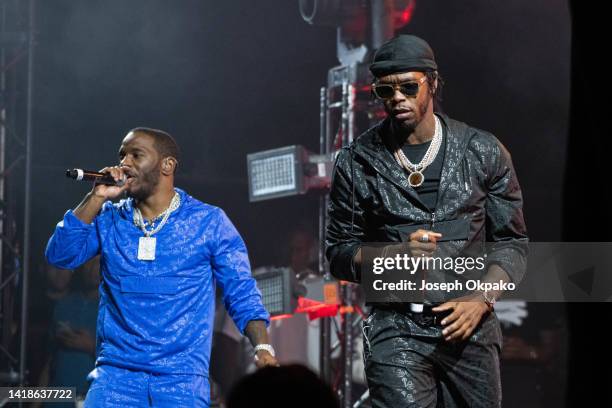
479, 199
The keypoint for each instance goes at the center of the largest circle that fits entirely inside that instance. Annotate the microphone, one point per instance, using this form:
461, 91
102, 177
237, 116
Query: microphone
98, 178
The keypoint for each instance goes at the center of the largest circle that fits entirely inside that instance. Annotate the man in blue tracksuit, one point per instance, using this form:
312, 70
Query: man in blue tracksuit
162, 253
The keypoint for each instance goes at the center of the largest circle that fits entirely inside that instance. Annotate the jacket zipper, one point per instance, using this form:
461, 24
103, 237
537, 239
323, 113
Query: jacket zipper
433, 213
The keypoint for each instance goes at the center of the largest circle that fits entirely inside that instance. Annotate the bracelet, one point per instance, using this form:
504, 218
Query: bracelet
489, 300
266, 347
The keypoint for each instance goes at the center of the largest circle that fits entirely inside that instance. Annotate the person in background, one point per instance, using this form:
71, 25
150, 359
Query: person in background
58, 282
72, 334
302, 253
55, 285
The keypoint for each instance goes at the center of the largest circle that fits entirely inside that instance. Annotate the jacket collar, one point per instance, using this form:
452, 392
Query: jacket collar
374, 148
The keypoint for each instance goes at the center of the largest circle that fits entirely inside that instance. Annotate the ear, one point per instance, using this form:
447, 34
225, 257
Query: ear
168, 166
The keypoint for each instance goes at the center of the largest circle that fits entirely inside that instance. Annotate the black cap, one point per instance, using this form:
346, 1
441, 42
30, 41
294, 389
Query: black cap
402, 54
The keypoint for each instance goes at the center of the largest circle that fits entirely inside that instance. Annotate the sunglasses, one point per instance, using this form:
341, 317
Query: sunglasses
386, 91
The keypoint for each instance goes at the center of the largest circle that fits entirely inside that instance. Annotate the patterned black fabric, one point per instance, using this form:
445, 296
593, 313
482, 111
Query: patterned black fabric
371, 200
409, 364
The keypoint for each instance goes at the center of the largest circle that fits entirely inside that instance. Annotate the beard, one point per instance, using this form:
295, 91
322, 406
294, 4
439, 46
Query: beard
403, 128
148, 182
406, 127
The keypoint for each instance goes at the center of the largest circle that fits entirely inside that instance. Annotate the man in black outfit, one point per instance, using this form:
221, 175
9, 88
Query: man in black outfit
422, 178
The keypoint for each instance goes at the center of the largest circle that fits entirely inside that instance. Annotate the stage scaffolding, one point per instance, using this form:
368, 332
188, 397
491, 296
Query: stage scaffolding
17, 41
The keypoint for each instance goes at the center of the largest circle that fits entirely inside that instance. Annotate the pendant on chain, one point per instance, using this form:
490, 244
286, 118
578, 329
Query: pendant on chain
146, 248
416, 178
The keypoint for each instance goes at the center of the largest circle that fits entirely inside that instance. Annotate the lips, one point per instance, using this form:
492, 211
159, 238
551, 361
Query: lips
129, 175
402, 113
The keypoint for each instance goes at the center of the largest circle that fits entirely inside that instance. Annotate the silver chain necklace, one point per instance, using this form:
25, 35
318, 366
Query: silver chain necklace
147, 244
416, 177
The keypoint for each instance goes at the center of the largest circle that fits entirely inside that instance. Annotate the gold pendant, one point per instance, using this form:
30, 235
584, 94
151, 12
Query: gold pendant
416, 178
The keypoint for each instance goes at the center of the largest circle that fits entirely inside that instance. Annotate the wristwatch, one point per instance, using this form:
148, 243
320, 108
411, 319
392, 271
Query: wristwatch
266, 347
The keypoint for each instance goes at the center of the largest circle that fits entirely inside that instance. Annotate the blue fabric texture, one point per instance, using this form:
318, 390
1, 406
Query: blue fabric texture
113, 387
157, 316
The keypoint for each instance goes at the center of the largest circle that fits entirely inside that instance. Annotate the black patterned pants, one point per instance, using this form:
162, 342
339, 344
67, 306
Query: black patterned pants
409, 364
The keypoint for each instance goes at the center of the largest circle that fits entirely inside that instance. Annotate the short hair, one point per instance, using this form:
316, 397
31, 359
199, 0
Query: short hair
165, 144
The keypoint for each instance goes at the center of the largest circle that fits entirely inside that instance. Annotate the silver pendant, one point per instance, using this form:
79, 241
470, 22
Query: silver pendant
416, 178
146, 248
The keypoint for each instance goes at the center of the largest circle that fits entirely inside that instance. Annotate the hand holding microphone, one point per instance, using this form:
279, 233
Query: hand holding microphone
96, 177
109, 182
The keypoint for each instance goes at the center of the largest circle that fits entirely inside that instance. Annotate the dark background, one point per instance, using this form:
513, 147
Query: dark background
586, 216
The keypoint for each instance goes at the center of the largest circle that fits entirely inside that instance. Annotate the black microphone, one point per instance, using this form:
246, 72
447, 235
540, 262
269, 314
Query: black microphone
98, 178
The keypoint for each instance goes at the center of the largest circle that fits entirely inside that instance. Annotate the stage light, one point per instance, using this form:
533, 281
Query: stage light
277, 287
286, 171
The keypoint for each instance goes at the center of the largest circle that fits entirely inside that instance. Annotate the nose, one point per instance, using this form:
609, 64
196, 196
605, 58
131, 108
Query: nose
398, 96
126, 161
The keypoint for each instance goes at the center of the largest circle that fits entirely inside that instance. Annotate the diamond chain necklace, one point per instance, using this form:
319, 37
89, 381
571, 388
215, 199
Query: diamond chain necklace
416, 177
139, 220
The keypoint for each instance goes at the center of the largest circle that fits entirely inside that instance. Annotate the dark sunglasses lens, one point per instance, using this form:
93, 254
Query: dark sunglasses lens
384, 91
410, 89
